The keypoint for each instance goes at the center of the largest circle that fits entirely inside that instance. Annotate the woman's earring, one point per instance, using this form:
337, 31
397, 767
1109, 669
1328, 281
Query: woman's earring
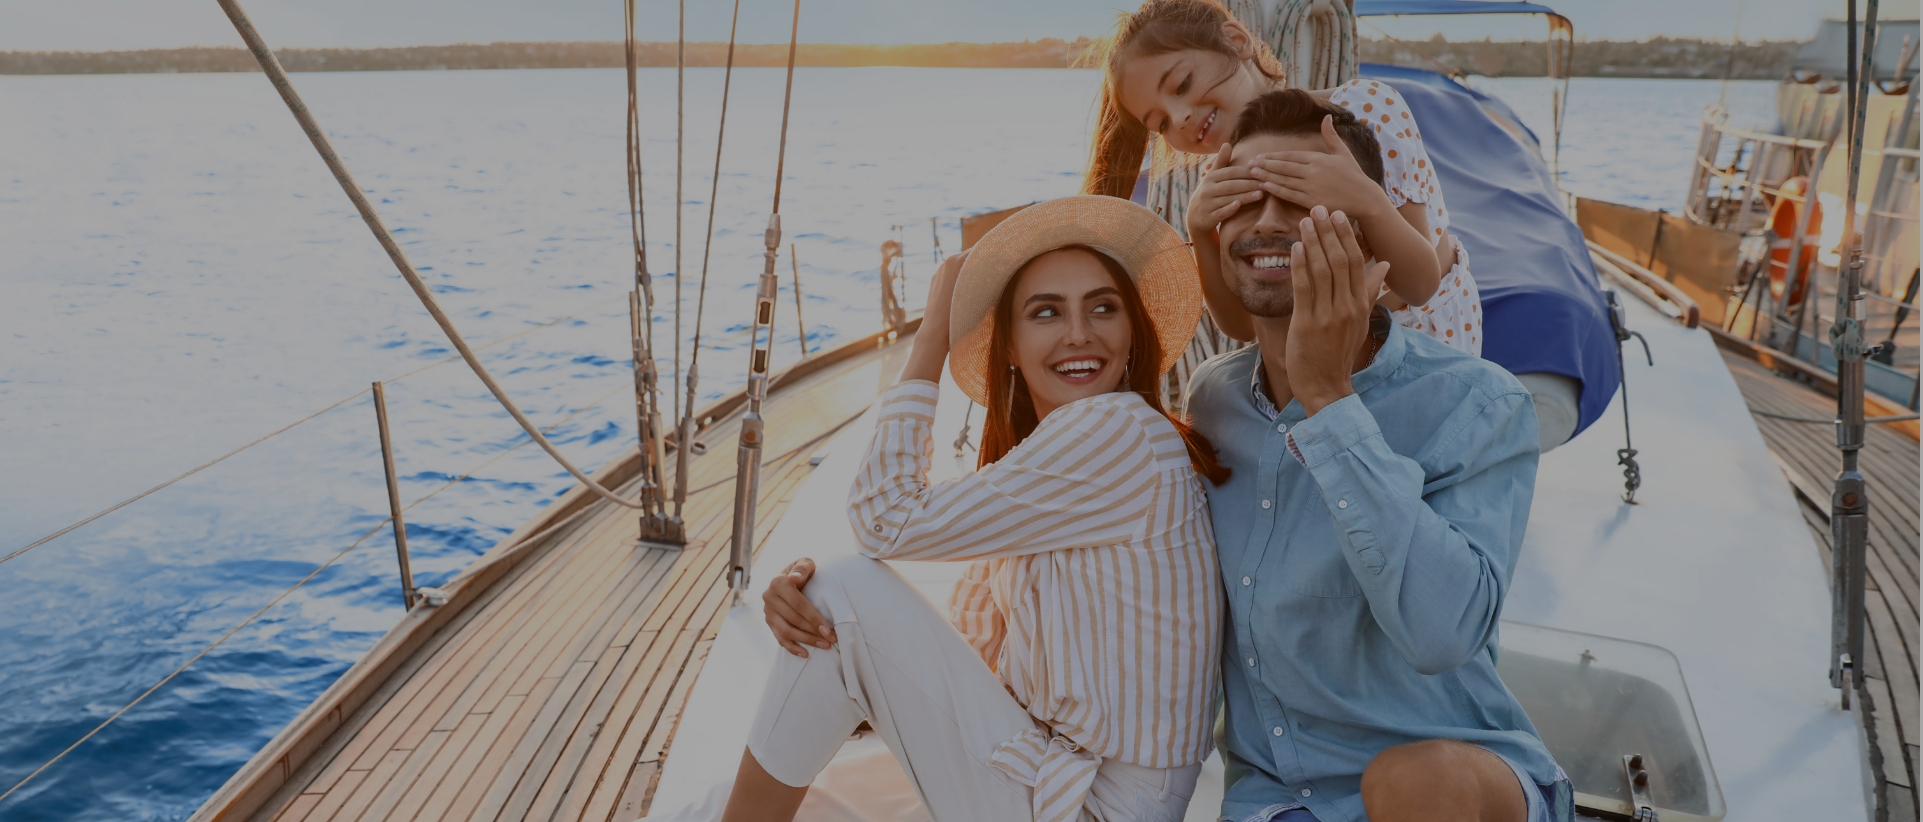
1127, 365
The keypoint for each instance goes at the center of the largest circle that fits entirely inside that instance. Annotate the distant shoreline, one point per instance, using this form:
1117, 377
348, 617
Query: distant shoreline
1656, 58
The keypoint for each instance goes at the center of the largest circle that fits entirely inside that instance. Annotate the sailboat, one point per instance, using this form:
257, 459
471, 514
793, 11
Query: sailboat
599, 662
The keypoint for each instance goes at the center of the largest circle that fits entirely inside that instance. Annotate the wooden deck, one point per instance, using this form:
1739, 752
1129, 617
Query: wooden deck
1889, 460
550, 685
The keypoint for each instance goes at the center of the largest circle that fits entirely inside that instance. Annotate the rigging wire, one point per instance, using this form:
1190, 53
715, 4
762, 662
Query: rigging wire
680, 120
303, 581
714, 189
282, 430
271, 65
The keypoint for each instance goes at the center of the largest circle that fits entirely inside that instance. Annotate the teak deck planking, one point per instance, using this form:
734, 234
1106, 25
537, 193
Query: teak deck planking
554, 694
1889, 462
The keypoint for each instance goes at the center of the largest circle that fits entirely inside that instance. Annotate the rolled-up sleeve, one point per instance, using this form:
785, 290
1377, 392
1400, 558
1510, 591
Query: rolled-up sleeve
1075, 482
1454, 530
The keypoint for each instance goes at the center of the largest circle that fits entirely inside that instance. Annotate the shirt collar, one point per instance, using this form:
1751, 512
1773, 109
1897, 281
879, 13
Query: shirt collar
1395, 346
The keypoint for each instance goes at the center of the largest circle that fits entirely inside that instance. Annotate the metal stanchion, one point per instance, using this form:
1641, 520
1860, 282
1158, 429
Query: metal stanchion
408, 595
748, 456
1849, 501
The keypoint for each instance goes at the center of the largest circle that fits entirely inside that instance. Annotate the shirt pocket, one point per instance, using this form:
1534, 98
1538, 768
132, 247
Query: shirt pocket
1319, 572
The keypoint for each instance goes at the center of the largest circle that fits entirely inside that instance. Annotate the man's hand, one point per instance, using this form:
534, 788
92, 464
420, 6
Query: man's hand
793, 619
1333, 180
1335, 289
1224, 190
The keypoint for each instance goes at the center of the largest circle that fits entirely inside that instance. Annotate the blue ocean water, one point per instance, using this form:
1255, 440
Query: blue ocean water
180, 276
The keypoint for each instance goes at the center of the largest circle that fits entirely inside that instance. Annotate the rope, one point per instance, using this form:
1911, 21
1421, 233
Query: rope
282, 430
303, 581
714, 189
271, 64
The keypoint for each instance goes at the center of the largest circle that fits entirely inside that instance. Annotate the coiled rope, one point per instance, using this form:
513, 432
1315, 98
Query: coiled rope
271, 65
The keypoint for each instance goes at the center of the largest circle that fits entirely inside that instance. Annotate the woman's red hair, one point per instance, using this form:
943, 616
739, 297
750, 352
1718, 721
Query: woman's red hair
1010, 416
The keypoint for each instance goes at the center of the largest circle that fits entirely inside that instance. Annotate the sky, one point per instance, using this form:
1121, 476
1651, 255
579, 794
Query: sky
132, 24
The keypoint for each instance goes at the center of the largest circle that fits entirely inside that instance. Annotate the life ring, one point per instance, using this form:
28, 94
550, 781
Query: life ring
1783, 217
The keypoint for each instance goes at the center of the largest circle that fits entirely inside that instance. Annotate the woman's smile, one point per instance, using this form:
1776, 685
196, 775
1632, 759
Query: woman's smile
1079, 371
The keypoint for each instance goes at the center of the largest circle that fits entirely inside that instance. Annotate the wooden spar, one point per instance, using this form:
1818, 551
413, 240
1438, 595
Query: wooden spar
800, 327
394, 498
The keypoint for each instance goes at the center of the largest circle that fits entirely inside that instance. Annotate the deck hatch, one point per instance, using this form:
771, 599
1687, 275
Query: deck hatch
1595, 700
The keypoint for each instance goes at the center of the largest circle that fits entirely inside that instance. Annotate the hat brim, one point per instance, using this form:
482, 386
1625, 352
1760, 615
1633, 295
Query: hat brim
1152, 253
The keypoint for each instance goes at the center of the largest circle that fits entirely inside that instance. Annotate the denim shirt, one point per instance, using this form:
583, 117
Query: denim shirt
1365, 579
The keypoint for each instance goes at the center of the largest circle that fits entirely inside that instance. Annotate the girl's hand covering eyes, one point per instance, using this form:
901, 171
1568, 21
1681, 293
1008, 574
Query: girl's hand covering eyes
1332, 180
1224, 190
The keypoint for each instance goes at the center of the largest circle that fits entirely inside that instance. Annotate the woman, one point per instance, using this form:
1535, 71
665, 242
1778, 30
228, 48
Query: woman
1185, 69
1077, 678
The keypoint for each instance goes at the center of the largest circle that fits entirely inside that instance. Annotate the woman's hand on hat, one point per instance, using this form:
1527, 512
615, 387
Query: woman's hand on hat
793, 619
1224, 190
1332, 179
930, 351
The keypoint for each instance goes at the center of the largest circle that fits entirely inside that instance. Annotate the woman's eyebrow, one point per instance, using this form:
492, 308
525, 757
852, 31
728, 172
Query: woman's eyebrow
1101, 292
1042, 298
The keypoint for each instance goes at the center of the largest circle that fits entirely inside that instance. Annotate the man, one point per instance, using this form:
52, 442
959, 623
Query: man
1381, 484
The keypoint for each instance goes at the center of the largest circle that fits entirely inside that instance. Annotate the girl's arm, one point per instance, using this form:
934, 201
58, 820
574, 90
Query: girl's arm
1332, 179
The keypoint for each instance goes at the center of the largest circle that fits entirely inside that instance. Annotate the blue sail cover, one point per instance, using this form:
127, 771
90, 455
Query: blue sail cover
1383, 8
1542, 309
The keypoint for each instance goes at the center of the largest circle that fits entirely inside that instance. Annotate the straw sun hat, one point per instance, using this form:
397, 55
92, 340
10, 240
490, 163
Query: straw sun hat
1147, 248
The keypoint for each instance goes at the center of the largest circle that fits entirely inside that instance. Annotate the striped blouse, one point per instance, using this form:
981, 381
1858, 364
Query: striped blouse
1093, 593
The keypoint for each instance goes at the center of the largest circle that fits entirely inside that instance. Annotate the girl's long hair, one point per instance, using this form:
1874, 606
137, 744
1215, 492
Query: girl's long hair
1010, 415
1158, 27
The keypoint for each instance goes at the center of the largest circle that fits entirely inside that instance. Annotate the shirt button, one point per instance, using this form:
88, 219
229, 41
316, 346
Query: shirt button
877, 527
1306, 792
1282, 428
1247, 581
1341, 503
1251, 662
1265, 505
1277, 730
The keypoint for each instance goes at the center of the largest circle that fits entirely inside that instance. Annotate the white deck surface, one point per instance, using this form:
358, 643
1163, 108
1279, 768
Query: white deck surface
1715, 565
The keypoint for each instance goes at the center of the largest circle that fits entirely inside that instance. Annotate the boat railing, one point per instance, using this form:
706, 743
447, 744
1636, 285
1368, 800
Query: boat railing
1739, 173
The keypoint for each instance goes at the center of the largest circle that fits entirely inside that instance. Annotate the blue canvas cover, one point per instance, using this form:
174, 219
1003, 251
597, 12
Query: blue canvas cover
1542, 308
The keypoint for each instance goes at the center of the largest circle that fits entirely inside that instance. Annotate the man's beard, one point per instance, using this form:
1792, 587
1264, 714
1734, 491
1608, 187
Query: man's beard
1261, 299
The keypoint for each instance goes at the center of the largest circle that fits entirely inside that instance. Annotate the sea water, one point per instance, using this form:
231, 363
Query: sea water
180, 277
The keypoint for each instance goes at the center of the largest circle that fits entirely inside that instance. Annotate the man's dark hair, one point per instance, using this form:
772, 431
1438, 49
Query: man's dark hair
1293, 112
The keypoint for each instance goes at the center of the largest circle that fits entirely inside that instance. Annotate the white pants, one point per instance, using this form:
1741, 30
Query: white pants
901, 666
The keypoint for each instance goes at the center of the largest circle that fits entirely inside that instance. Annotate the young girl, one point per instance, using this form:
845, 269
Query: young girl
1184, 70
